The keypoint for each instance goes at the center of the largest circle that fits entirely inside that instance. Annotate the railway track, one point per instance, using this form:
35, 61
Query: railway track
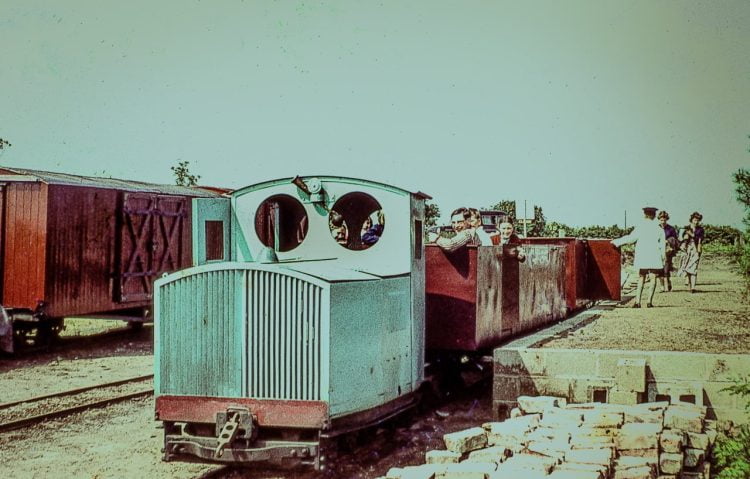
26, 412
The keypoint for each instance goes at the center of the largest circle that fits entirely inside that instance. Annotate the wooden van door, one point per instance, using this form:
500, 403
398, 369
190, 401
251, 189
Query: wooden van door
151, 242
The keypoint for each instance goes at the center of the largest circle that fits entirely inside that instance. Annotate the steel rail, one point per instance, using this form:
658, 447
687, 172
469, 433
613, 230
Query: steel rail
9, 426
76, 391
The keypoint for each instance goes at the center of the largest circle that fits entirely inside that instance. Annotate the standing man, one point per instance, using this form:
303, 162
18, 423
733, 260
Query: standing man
649, 253
465, 234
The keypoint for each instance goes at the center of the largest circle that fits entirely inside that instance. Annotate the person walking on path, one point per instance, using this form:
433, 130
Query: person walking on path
649, 253
671, 246
691, 237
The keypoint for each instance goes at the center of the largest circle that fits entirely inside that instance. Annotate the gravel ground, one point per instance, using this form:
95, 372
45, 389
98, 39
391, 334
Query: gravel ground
714, 319
123, 440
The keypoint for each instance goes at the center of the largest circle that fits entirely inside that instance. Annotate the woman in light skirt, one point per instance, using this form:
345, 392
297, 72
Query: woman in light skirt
691, 238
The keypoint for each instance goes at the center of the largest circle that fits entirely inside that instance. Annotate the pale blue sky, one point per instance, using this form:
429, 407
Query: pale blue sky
585, 108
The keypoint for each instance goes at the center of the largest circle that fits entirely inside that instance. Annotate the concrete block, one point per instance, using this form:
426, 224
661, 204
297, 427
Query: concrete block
442, 457
624, 397
538, 404
693, 457
512, 432
521, 423
394, 473
518, 362
557, 417
504, 472
607, 364
602, 418
636, 415
466, 470
591, 442
650, 455
678, 366
425, 471
675, 390
638, 436
599, 406
494, 454
574, 474
530, 462
602, 471
670, 463
724, 367
629, 462
684, 418
506, 388
590, 456
698, 440
672, 440
466, 440
549, 433
630, 375
634, 473
554, 449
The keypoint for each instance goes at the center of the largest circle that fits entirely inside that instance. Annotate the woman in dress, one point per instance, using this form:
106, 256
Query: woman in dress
691, 238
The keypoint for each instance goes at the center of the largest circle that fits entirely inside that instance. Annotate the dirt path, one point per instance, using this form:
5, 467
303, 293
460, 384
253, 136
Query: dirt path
715, 319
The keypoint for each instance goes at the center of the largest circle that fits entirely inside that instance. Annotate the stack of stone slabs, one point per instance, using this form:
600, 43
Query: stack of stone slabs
547, 438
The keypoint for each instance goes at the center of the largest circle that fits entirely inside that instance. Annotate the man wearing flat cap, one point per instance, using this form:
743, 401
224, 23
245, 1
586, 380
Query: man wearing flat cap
649, 252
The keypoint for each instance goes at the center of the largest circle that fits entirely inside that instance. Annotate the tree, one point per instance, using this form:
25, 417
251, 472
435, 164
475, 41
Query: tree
537, 227
182, 175
431, 213
742, 182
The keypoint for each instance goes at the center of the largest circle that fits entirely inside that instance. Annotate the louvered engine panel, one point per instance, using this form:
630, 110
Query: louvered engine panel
283, 331
240, 332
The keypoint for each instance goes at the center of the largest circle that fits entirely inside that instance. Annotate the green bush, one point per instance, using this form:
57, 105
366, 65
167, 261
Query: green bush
731, 453
721, 234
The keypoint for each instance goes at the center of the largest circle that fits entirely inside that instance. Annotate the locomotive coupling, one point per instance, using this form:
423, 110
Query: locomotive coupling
235, 422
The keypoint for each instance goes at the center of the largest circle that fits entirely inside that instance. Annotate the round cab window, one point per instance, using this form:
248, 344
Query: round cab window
356, 221
281, 223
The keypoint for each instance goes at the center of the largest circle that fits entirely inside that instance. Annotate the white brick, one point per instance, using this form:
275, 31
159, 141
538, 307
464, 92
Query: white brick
670, 463
466, 440
638, 436
495, 454
693, 457
534, 404
442, 457
672, 440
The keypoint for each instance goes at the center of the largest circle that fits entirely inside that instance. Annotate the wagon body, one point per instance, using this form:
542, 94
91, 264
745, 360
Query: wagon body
75, 246
478, 296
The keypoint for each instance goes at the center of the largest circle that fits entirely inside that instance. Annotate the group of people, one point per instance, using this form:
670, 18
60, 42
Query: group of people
467, 224
657, 243
369, 235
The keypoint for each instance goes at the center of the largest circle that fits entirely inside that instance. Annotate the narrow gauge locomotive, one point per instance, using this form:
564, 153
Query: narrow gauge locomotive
285, 335
84, 246
259, 360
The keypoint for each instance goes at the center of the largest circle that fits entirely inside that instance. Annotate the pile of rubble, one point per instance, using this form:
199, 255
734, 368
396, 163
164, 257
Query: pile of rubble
545, 437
